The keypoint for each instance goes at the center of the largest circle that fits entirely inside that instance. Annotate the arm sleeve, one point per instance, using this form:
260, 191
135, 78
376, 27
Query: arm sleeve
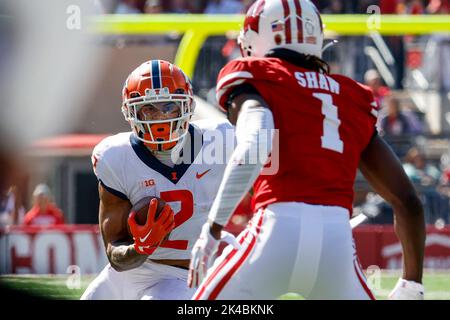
248, 159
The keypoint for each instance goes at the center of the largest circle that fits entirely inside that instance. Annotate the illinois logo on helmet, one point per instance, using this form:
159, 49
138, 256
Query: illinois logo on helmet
158, 102
289, 24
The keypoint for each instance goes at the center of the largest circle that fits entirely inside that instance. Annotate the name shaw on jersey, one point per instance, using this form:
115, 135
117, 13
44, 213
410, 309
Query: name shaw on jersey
314, 80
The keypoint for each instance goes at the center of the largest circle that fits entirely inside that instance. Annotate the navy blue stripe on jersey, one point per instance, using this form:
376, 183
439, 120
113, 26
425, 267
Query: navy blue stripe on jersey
156, 74
193, 145
114, 191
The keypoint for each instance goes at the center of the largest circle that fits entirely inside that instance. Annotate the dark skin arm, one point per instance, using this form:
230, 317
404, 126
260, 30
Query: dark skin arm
253, 99
383, 170
113, 215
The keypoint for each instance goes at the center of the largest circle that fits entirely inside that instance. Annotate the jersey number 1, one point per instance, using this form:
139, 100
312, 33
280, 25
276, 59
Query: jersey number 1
330, 139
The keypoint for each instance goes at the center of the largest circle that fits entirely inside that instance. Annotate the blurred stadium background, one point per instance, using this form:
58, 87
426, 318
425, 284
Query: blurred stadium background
62, 67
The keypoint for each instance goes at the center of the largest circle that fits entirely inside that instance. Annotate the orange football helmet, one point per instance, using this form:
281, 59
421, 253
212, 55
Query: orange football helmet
158, 103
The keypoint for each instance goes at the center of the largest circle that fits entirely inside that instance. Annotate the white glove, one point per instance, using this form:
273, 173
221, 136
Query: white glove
203, 254
407, 290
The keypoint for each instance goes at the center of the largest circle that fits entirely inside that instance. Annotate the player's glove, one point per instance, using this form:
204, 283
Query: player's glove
203, 254
407, 290
148, 237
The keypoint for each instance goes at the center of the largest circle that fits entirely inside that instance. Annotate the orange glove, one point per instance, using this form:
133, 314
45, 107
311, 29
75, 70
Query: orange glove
148, 237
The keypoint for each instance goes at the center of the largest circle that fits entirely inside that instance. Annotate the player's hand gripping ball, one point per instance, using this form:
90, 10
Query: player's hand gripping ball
150, 222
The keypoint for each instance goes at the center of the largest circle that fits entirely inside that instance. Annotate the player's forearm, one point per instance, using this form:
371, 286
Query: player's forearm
246, 162
385, 173
237, 180
123, 256
410, 229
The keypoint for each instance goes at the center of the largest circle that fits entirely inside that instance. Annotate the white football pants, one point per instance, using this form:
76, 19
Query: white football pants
290, 247
150, 281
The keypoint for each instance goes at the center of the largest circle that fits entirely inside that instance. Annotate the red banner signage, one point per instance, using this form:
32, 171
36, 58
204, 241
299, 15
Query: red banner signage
378, 245
57, 250
36, 250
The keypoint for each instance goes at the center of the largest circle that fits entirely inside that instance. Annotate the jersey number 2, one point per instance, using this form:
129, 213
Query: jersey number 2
186, 211
330, 139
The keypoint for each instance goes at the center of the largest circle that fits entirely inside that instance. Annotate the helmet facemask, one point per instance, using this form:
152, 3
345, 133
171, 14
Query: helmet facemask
159, 119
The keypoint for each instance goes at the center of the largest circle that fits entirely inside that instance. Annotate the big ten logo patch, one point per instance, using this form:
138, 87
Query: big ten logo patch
147, 183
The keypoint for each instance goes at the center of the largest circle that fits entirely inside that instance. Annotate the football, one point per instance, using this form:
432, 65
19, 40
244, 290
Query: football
141, 209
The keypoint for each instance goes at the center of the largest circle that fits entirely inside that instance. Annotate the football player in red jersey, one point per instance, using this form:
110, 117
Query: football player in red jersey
299, 239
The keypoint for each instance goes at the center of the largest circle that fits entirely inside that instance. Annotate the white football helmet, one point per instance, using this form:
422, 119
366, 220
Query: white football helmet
289, 24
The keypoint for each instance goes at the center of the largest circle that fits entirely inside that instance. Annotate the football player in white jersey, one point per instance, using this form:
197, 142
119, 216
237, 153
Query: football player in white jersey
163, 156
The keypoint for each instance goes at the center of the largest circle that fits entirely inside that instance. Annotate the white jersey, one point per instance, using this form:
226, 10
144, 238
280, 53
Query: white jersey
125, 167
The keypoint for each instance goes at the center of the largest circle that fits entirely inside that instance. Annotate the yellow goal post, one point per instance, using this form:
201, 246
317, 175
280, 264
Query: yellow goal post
196, 28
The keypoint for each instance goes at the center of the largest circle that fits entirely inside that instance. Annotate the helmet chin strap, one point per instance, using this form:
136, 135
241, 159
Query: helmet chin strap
329, 45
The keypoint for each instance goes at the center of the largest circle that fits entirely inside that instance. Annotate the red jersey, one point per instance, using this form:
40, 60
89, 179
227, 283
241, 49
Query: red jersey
35, 217
324, 123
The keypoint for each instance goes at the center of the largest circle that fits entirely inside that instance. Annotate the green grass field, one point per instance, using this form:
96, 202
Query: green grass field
437, 285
